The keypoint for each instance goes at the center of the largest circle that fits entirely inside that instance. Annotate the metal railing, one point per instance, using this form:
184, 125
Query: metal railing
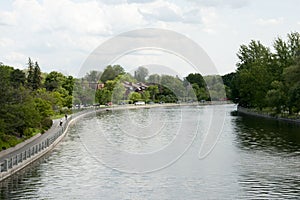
18, 158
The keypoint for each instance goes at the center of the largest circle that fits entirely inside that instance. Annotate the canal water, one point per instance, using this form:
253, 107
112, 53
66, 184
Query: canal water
156, 154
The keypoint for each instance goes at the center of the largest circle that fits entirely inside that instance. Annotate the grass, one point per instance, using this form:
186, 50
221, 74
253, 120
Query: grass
7, 141
58, 116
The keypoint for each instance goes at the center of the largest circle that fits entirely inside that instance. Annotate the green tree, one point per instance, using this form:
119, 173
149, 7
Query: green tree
276, 97
111, 72
37, 77
17, 78
154, 78
30, 74
54, 80
197, 79
253, 77
145, 95
135, 96
140, 74
153, 91
103, 96
118, 92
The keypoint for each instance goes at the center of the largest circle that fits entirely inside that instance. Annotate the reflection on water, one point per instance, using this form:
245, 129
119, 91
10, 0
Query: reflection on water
270, 166
254, 159
267, 135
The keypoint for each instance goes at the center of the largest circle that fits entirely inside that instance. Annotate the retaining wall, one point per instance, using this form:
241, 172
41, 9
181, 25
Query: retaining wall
265, 115
18, 161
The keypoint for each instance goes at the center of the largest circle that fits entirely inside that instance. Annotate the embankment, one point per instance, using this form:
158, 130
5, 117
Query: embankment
252, 112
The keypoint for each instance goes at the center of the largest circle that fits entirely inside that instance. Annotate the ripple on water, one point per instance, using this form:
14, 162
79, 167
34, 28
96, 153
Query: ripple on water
252, 160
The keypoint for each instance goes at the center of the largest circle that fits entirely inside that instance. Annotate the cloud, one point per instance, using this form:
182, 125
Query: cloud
221, 3
162, 11
266, 22
210, 19
140, 1
7, 18
16, 59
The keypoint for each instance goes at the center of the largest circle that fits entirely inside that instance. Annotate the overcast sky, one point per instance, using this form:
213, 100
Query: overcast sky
61, 34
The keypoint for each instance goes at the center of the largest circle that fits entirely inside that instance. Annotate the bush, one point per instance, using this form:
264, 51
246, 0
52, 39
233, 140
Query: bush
46, 123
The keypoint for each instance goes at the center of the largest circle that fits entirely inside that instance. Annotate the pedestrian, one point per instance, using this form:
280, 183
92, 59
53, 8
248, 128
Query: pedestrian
61, 122
66, 116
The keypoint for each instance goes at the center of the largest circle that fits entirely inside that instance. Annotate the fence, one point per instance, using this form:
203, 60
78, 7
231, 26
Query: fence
18, 161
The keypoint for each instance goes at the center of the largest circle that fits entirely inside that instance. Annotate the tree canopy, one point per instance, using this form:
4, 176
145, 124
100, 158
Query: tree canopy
268, 80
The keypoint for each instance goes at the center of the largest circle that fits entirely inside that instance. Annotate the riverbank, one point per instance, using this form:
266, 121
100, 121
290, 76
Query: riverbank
252, 112
16, 158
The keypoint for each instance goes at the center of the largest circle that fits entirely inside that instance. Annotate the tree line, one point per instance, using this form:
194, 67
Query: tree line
28, 100
268, 78
161, 88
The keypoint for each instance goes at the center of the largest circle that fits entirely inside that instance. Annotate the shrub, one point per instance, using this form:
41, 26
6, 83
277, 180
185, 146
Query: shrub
46, 123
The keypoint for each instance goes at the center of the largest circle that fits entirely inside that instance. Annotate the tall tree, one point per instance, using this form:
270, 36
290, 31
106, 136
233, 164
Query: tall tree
111, 72
140, 74
153, 90
154, 78
253, 76
17, 78
37, 77
197, 79
30, 73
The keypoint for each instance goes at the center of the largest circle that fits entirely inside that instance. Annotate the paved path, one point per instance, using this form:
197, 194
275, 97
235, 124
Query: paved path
42, 137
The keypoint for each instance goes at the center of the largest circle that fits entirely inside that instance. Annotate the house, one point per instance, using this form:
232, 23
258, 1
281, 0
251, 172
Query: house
134, 87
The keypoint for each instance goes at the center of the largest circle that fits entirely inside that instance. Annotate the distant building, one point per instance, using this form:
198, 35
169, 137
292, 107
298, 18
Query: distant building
100, 86
134, 87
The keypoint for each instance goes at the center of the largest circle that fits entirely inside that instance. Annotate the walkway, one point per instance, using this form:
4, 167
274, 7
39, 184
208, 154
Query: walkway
42, 137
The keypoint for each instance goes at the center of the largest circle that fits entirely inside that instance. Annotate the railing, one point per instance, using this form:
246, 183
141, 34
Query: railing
36, 149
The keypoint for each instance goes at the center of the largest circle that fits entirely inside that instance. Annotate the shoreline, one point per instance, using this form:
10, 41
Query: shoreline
251, 112
25, 153
16, 158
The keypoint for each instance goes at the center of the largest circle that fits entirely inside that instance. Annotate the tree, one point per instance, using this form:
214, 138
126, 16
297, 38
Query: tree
145, 95
17, 78
54, 80
292, 80
37, 78
111, 72
154, 78
135, 96
197, 79
30, 74
140, 74
276, 97
118, 92
68, 84
103, 96
253, 76
81, 93
153, 91
174, 84
93, 78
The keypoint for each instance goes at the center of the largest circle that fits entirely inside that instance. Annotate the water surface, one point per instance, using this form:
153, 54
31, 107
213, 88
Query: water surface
253, 159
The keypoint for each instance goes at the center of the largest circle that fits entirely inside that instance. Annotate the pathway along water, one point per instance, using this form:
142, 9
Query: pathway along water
254, 158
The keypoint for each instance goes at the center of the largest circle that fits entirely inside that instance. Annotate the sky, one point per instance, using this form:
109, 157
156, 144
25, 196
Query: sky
61, 35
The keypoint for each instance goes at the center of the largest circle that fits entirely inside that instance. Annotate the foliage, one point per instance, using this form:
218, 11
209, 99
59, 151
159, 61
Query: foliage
153, 91
103, 96
135, 96
62, 87
111, 72
266, 79
140, 74
26, 105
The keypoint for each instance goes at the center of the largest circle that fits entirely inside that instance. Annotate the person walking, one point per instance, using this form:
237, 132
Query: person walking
61, 122
66, 117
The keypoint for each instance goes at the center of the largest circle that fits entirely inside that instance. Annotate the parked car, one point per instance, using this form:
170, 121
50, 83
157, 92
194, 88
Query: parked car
108, 104
139, 103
